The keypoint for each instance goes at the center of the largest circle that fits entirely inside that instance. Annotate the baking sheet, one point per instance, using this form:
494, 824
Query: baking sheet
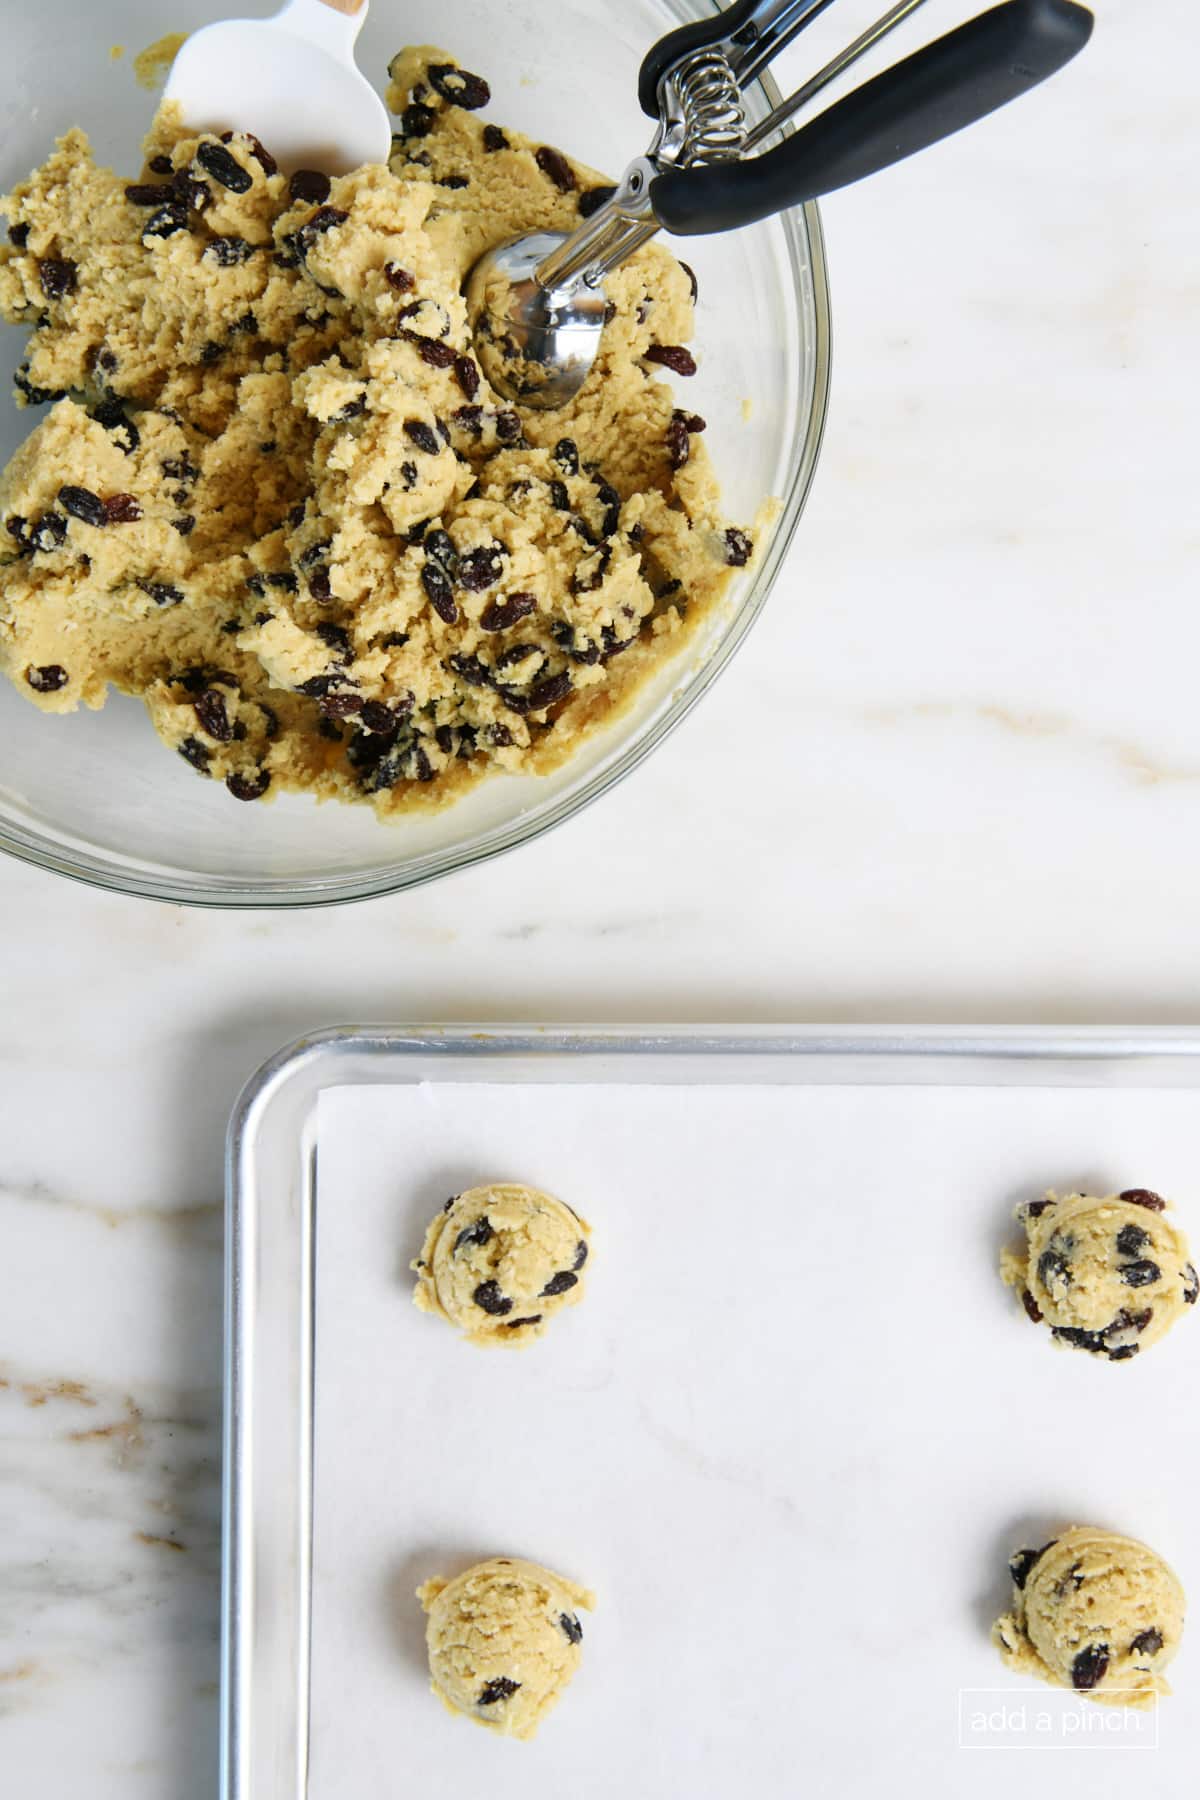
790, 1437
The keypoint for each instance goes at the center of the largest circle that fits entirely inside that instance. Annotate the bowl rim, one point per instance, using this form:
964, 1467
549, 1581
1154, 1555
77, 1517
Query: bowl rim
805, 242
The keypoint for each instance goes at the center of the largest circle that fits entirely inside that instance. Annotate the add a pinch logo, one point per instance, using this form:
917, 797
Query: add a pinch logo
1032, 1719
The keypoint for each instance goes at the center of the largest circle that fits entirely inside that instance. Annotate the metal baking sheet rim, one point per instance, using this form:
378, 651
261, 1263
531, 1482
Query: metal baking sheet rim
272, 1137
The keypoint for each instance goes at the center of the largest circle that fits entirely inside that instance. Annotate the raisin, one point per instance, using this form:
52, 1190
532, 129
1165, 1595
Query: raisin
224, 167
1147, 1643
312, 185
499, 615
228, 252
111, 414
353, 409
431, 351
416, 121
48, 532
81, 503
1031, 1306
1053, 1269
422, 435
212, 352
555, 168
163, 593
196, 753
581, 1255
466, 373
379, 717
210, 710
318, 583
1142, 1273
1191, 1286
592, 199
499, 736
559, 497
258, 151
572, 1627
436, 583
549, 691
315, 553
122, 509
248, 787
479, 1233
1131, 1239
1144, 1197
691, 275
499, 1688
454, 181
33, 394
1080, 1339
150, 193
481, 568
508, 427
1023, 1563
472, 671
398, 278
458, 87
161, 165
1090, 1667
679, 444
693, 421
1035, 1208
566, 455
340, 705
18, 236
516, 1324
494, 139
394, 640
1122, 1353
191, 194
561, 1283
48, 679
58, 275
611, 501
323, 220
165, 222
738, 548
673, 357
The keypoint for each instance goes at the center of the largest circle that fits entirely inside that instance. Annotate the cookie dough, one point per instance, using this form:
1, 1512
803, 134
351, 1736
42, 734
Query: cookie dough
504, 1641
499, 1261
1110, 1276
1094, 1612
274, 496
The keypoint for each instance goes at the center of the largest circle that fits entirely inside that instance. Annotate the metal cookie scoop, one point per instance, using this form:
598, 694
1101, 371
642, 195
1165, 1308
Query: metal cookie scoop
293, 78
537, 305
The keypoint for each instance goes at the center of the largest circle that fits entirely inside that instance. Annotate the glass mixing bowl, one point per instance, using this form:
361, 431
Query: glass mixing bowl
94, 795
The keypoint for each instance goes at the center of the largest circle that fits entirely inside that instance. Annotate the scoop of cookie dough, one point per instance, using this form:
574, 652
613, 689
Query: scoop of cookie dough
1110, 1276
504, 1641
500, 1261
1094, 1612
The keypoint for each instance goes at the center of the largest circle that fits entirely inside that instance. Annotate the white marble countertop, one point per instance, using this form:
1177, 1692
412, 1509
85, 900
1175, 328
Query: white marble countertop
972, 792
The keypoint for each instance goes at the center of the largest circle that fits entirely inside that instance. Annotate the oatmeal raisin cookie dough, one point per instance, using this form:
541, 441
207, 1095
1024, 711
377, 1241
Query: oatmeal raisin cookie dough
1110, 1276
504, 1642
1095, 1612
499, 1261
272, 493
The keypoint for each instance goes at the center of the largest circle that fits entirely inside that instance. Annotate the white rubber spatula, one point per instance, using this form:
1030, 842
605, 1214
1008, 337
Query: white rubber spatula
292, 80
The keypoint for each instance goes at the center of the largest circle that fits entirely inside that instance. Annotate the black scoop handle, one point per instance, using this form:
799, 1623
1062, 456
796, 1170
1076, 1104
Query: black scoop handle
949, 84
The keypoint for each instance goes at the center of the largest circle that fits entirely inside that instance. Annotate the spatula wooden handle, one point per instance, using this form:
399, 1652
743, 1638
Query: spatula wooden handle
343, 6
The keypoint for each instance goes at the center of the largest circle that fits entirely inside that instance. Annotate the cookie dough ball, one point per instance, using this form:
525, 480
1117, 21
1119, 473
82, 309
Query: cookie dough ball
1110, 1276
1094, 1612
500, 1261
504, 1641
